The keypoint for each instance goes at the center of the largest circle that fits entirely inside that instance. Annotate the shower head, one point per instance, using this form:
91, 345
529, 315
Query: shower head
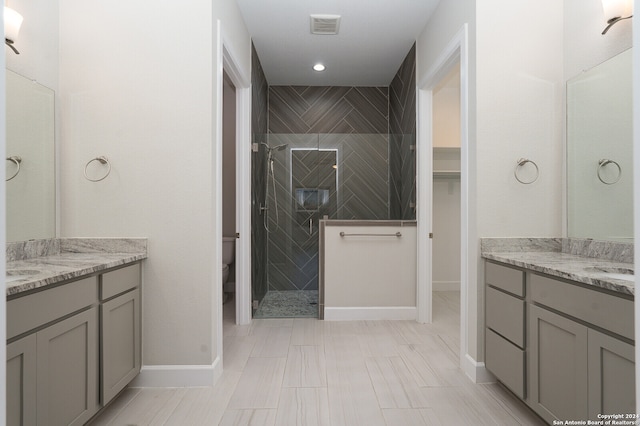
275, 148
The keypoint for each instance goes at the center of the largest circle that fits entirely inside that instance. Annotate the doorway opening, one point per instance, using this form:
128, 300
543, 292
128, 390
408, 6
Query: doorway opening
446, 185
446, 202
431, 160
228, 188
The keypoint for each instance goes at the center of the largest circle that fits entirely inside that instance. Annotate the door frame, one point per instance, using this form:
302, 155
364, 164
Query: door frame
457, 51
242, 83
226, 62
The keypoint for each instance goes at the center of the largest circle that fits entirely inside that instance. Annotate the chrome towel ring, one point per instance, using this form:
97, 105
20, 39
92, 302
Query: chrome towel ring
521, 162
102, 160
603, 162
17, 160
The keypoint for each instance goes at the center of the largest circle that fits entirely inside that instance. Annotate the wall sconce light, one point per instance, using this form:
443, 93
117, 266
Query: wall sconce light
12, 22
615, 11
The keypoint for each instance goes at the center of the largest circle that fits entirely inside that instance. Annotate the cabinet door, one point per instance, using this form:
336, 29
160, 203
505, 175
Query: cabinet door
120, 343
611, 376
558, 366
67, 370
21, 382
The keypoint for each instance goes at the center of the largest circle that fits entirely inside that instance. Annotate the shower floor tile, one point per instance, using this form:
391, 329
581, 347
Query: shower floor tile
289, 304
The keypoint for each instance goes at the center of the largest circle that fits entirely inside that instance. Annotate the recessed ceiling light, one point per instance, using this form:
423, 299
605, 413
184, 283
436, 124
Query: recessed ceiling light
319, 67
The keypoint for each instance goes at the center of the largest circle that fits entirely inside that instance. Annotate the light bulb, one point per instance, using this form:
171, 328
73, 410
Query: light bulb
12, 23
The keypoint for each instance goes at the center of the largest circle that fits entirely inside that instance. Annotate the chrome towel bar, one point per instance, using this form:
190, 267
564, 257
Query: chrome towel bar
397, 234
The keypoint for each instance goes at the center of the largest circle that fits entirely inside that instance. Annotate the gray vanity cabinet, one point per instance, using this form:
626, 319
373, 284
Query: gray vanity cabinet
67, 370
564, 348
72, 348
120, 337
21, 381
557, 366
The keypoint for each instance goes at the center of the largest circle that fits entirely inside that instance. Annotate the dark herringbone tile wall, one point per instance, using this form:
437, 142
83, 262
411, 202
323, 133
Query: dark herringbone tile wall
309, 109
259, 115
402, 136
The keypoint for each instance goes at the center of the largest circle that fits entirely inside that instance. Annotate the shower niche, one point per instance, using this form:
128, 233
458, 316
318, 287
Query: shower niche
311, 199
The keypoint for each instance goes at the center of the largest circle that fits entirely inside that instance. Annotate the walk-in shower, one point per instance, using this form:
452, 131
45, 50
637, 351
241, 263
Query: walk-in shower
307, 178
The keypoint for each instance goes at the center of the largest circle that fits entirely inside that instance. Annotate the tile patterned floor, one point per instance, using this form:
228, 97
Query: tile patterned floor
308, 372
289, 304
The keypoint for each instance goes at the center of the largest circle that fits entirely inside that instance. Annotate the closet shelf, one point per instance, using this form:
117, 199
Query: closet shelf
446, 162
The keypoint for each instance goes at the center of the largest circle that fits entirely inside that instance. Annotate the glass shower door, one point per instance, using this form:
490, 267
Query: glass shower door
292, 213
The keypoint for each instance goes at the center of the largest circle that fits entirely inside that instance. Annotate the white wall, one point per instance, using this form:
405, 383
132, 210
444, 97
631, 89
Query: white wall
446, 111
138, 84
520, 104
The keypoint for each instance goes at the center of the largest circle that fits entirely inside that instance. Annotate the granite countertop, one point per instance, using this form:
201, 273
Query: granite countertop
41, 263
555, 261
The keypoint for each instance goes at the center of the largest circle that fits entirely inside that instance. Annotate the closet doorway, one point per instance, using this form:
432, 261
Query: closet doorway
444, 173
446, 196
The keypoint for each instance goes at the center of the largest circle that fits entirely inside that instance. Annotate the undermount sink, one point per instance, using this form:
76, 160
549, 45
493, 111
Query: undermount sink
626, 274
19, 274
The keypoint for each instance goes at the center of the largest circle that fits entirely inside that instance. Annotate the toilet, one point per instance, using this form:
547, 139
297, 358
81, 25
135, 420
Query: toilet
228, 253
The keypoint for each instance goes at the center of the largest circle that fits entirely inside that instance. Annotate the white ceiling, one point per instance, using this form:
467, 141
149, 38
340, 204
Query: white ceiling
375, 37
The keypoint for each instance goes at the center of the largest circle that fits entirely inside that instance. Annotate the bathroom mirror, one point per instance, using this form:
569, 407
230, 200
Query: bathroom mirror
30, 159
600, 151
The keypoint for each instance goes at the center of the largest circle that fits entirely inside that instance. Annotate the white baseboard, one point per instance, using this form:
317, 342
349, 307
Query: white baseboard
178, 376
446, 285
477, 371
370, 313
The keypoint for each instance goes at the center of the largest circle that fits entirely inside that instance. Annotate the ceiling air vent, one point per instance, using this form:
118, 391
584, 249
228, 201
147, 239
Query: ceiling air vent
325, 24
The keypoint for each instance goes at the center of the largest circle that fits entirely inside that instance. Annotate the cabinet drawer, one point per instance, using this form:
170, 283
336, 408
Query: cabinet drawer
508, 279
34, 310
505, 315
506, 362
591, 306
119, 281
